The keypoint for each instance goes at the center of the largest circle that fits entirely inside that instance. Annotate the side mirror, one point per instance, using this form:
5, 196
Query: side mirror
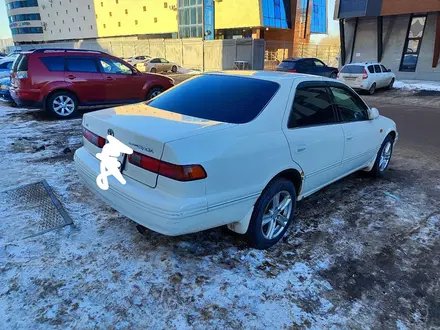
373, 113
389, 70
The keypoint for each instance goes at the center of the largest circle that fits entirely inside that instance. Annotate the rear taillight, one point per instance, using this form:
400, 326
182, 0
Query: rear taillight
21, 75
93, 138
337, 76
365, 76
172, 171
292, 70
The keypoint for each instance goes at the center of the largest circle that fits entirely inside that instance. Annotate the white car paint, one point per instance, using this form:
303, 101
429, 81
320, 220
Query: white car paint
375, 73
157, 63
136, 59
239, 159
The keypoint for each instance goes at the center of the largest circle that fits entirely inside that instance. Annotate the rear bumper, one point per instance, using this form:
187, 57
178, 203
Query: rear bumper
175, 216
26, 98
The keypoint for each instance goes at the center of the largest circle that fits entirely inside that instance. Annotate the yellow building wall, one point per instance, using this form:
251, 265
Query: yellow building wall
136, 20
237, 13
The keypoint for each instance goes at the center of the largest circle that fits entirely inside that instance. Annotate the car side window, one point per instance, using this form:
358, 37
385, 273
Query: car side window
377, 69
308, 63
162, 60
78, 64
371, 69
384, 69
319, 63
155, 60
312, 106
109, 65
350, 105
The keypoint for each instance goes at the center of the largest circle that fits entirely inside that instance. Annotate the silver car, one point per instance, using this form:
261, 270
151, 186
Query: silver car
157, 64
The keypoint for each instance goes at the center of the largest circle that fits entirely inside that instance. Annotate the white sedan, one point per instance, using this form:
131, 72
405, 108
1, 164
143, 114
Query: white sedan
157, 64
136, 59
202, 160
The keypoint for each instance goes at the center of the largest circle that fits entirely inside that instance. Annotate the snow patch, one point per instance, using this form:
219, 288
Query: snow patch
417, 85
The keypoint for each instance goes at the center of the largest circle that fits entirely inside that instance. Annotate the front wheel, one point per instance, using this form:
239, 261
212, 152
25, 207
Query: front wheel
62, 105
383, 157
174, 69
372, 89
273, 213
391, 84
153, 70
155, 91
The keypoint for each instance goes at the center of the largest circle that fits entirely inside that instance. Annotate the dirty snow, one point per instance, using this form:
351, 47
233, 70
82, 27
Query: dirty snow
417, 85
364, 254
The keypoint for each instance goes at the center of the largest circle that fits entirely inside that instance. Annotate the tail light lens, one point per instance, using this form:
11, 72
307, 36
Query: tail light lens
172, 171
337, 76
292, 70
93, 138
21, 75
365, 76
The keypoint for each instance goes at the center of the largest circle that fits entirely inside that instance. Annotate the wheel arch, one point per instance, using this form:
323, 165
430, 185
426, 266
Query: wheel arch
48, 95
294, 175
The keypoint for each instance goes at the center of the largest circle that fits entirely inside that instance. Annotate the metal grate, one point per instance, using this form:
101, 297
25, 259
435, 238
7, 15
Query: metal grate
31, 210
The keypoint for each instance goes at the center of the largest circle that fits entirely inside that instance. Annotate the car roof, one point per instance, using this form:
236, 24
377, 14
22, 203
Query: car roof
294, 59
64, 50
276, 76
364, 63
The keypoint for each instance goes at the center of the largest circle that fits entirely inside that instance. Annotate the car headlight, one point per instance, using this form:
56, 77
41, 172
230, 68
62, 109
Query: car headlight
4, 87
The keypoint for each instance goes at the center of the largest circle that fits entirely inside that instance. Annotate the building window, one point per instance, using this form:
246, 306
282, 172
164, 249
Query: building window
27, 30
319, 17
24, 17
110, 13
155, 20
67, 11
119, 24
102, 4
22, 4
54, 23
48, 15
79, 28
69, 29
275, 13
413, 43
60, 3
62, 21
190, 19
76, 9
104, 26
57, 13
91, 27
60, 30
135, 22
96, 16
165, 5
73, 20
88, 7
145, 8
51, 32
126, 11
84, 18
117, 1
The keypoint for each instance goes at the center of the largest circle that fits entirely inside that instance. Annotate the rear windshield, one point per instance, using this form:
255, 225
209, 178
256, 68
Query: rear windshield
20, 64
287, 65
221, 98
358, 69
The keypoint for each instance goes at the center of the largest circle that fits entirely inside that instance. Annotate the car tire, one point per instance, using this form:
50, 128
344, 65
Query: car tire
62, 105
391, 84
174, 69
334, 75
269, 223
372, 89
153, 70
383, 157
155, 91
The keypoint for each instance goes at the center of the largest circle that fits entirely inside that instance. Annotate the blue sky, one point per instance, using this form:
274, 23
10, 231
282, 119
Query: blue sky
4, 26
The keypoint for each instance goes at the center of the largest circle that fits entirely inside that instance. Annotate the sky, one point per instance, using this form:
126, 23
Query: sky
4, 26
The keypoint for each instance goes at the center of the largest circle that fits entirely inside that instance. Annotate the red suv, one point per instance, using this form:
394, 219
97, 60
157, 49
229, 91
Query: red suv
60, 80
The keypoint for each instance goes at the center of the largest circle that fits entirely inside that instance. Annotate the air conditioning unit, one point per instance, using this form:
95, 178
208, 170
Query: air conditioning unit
172, 7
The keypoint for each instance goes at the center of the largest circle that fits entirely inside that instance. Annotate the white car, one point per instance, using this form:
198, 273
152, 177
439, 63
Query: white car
203, 160
136, 59
6, 66
157, 64
367, 76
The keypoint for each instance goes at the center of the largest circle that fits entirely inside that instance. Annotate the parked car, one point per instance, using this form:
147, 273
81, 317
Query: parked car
202, 160
5, 66
157, 65
307, 65
136, 59
61, 80
367, 76
5, 95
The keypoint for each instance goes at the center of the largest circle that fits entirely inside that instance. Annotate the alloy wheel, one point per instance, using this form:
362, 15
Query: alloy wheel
276, 215
63, 105
385, 156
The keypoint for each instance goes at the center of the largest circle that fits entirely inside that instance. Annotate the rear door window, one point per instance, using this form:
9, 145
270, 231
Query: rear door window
287, 65
53, 63
81, 64
354, 69
228, 99
371, 69
312, 106
377, 69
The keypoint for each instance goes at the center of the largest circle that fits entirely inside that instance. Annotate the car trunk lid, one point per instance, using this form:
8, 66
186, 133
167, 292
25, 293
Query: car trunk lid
352, 74
146, 130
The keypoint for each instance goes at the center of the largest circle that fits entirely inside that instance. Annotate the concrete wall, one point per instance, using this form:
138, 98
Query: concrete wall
394, 34
212, 55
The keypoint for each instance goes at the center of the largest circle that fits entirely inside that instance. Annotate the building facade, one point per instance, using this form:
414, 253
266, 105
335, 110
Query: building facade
55, 20
402, 34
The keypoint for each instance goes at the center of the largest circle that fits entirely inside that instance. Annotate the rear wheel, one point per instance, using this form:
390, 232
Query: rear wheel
155, 91
153, 70
372, 89
273, 213
63, 105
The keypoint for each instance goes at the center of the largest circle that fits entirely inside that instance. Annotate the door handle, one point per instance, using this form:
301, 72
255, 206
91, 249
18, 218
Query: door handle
109, 78
71, 76
301, 148
350, 137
